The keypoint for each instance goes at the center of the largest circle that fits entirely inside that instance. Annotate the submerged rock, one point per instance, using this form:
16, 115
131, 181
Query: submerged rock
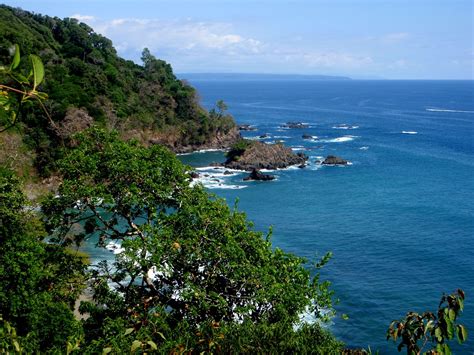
306, 136
246, 127
333, 160
258, 176
295, 125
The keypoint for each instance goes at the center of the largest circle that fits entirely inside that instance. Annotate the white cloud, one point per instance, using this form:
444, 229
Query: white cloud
208, 46
130, 34
83, 18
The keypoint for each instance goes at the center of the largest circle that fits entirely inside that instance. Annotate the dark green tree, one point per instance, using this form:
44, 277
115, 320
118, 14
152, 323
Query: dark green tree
188, 261
39, 282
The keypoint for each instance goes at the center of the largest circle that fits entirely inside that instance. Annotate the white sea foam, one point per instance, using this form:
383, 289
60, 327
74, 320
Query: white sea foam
278, 137
446, 110
338, 139
364, 148
298, 148
344, 126
115, 247
409, 132
215, 177
203, 151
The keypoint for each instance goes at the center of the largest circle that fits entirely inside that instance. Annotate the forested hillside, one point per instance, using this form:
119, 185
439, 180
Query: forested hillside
88, 83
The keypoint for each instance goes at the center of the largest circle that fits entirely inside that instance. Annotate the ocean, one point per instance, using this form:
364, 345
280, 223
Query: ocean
399, 220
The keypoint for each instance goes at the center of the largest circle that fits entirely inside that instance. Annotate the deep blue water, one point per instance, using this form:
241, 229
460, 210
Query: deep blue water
399, 220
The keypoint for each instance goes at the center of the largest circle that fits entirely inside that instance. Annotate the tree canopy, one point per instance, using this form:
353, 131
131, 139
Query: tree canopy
186, 255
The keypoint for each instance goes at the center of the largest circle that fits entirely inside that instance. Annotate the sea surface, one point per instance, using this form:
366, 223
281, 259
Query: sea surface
399, 220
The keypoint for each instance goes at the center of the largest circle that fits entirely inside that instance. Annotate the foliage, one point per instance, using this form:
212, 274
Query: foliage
20, 89
428, 327
82, 71
237, 149
188, 261
39, 282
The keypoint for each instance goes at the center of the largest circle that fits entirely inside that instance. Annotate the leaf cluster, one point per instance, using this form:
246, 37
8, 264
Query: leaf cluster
428, 327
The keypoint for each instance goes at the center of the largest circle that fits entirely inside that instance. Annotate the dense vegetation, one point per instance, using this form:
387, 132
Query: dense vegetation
87, 82
192, 275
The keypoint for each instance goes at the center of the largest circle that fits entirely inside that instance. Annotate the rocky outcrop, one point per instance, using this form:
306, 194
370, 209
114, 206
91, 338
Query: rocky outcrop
246, 127
257, 155
306, 136
220, 140
295, 125
333, 160
258, 176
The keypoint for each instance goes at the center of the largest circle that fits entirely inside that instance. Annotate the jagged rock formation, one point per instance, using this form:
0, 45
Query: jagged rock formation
249, 155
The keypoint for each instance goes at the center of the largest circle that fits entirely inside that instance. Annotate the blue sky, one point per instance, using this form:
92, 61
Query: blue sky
396, 39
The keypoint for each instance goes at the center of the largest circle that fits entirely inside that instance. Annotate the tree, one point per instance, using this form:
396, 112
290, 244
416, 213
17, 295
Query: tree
188, 261
39, 282
430, 328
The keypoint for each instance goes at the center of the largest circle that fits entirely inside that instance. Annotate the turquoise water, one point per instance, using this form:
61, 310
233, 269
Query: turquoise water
399, 220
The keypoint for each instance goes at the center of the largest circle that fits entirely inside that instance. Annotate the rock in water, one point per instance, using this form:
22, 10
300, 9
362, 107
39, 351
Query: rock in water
249, 155
306, 136
295, 125
246, 127
258, 176
333, 160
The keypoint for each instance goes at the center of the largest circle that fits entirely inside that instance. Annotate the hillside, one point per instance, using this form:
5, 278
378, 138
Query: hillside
88, 83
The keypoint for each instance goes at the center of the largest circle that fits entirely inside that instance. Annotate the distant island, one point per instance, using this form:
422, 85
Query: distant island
254, 76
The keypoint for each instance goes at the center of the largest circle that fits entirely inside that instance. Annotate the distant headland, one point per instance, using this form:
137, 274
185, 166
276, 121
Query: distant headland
254, 76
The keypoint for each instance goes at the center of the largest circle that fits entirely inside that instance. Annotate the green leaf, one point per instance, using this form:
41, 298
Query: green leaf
38, 70
447, 350
128, 331
135, 345
106, 350
449, 328
429, 326
438, 334
452, 315
152, 345
16, 345
16, 58
462, 333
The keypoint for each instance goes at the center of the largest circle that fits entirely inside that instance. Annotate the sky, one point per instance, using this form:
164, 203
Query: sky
365, 39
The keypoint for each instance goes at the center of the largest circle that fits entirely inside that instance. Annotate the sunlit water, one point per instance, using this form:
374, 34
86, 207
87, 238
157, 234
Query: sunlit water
399, 220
